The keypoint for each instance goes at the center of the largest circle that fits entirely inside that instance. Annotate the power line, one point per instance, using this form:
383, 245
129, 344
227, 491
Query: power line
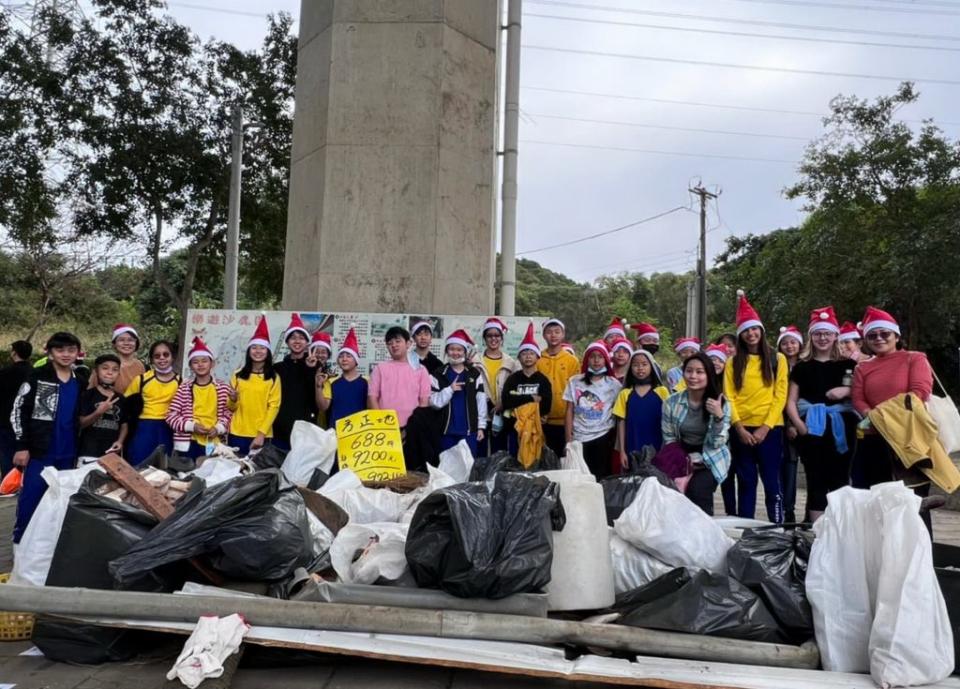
721, 32
681, 154
730, 65
667, 101
855, 8
751, 22
605, 232
219, 10
695, 130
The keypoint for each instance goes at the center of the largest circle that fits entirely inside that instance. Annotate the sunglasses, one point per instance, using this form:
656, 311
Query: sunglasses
879, 335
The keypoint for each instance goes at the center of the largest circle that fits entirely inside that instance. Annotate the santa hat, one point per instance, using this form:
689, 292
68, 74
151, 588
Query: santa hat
598, 346
350, 345
617, 327
747, 316
121, 328
646, 330
459, 337
824, 319
717, 352
621, 343
553, 321
296, 326
320, 339
496, 324
849, 331
567, 347
199, 348
421, 324
874, 318
261, 336
686, 343
790, 331
529, 342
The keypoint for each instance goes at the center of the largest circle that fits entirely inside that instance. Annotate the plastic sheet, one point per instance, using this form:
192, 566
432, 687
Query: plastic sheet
633, 568
699, 603
217, 470
773, 564
457, 462
573, 460
253, 527
619, 491
476, 541
368, 553
311, 448
665, 524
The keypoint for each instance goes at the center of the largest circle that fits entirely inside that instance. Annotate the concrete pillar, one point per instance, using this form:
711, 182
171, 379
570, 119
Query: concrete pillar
393, 157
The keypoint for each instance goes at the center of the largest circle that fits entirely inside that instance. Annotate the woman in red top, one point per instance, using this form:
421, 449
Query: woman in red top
892, 370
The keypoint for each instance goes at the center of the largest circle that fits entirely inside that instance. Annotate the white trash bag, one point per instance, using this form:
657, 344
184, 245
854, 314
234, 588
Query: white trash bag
39, 540
382, 556
216, 470
573, 459
457, 462
911, 641
633, 568
311, 448
665, 524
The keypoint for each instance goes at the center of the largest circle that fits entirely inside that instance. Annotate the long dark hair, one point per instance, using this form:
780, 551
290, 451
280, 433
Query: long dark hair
767, 357
714, 387
268, 371
630, 380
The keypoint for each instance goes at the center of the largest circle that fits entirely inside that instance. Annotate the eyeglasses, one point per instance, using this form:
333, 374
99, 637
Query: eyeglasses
823, 334
879, 335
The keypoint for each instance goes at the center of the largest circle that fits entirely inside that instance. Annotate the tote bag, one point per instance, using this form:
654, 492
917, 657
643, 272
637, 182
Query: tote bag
945, 413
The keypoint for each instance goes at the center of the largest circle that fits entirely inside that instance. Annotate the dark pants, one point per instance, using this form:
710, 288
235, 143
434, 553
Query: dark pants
763, 460
34, 487
826, 469
241, 443
729, 491
874, 461
788, 479
701, 488
596, 453
8, 448
149, 435
555, 437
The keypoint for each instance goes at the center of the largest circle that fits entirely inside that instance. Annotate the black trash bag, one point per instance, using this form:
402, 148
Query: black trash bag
773, 564
699, 603
485, 468
477, 543
641, 464
251, 527
318, 478
79, 643
269, 457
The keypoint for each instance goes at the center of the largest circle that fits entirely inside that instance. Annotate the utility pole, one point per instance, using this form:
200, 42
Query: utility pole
233, 211
511, 126
701, 310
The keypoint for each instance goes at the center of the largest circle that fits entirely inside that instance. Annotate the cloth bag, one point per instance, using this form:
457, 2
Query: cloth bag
944, 412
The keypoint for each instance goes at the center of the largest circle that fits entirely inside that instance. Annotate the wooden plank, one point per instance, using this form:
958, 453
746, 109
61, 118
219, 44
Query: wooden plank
152, 500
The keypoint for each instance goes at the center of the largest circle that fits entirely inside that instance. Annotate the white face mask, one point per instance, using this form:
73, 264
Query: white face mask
458, 360
597, 371
163, 371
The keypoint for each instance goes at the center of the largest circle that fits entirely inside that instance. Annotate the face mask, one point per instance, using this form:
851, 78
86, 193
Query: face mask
652, 348
163, 371
645, 381
597, 371
458, 360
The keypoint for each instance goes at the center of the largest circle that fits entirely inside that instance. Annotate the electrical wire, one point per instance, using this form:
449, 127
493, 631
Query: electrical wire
730, 65
695, 130
605, 232
681, 154
220, 10
720, 32
853, 8
751, 22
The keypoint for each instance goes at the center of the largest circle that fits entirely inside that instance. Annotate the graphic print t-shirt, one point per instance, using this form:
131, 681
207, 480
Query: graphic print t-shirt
592, 405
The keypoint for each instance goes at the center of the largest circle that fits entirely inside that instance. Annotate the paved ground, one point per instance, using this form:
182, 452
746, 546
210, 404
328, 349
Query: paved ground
290, 670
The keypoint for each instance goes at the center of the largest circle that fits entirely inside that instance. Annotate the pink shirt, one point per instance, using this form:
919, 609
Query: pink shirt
878, 379
399, 386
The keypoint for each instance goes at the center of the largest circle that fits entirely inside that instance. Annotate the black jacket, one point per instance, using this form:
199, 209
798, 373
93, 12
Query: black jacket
33, 423
472, 383
298, 400
11, 378
432, 363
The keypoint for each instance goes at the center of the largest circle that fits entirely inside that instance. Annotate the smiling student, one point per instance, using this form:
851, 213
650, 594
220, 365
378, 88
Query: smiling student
255, 394
125, 342
297, 374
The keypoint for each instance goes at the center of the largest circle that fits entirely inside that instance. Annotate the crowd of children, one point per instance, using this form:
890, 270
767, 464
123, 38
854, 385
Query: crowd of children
740, 411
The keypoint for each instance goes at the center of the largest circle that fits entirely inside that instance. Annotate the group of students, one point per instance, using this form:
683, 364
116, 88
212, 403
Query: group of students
799, 402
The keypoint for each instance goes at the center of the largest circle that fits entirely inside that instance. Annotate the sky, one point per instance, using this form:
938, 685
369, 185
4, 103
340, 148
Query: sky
629, 141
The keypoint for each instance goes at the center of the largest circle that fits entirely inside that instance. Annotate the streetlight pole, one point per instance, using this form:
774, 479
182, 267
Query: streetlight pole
511, 126
233, 212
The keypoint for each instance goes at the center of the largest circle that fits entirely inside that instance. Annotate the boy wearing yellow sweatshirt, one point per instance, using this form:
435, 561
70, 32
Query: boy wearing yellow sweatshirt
755, 384
558, 365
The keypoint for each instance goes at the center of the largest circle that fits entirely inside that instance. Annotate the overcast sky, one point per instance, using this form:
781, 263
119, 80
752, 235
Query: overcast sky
574, 183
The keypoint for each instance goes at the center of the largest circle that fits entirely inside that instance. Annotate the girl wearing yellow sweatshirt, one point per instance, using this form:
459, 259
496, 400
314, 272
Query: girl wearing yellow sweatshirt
755, 384
254, 395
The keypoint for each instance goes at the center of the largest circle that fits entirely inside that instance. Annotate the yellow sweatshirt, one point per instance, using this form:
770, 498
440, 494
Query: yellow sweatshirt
757, 404
157, 395
258, 402
558, 368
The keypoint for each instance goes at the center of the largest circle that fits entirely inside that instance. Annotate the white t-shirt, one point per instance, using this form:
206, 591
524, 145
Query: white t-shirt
592, 405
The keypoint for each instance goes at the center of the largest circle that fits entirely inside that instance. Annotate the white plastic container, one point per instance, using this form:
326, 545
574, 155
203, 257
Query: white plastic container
582, 573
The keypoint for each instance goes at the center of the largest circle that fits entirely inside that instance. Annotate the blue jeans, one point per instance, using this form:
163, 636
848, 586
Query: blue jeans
729, 491
34, 487
764, 460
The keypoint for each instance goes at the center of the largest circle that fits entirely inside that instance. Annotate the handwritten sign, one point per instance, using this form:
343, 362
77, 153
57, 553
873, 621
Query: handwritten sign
368, 443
